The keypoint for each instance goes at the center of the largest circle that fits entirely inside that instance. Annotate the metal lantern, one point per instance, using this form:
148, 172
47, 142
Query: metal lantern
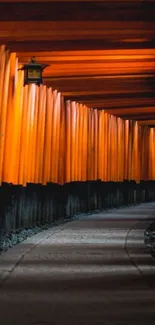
33, 72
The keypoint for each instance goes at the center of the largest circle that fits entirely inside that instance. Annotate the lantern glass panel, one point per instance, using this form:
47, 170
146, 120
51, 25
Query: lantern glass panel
34, 73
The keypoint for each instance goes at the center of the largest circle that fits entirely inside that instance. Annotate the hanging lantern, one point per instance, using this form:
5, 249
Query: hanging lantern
33, 72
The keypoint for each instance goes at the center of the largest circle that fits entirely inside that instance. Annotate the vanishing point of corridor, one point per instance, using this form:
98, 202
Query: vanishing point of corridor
94, 270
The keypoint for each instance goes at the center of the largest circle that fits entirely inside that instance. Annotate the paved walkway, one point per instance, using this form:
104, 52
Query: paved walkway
92, 271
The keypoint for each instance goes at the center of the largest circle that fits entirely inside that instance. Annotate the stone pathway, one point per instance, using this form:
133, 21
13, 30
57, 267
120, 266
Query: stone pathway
92, 271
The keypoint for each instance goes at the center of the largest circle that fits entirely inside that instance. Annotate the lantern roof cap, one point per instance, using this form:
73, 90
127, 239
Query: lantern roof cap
34, 65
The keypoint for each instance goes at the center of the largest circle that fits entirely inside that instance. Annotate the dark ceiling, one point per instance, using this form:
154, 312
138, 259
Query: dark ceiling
101, 53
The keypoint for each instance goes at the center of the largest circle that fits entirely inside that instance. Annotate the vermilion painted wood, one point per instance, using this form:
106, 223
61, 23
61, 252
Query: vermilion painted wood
45, 139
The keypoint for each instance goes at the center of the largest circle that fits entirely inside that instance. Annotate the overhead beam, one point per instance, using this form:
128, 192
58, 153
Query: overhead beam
133, 111
104, 1
76, 11
94, 93
113, 104
73, 31
61, 71
102, 85
100, 27
104, 82
110, 105
136, 2
140, 117
136, 97
117, 53
75, 45
147, 122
